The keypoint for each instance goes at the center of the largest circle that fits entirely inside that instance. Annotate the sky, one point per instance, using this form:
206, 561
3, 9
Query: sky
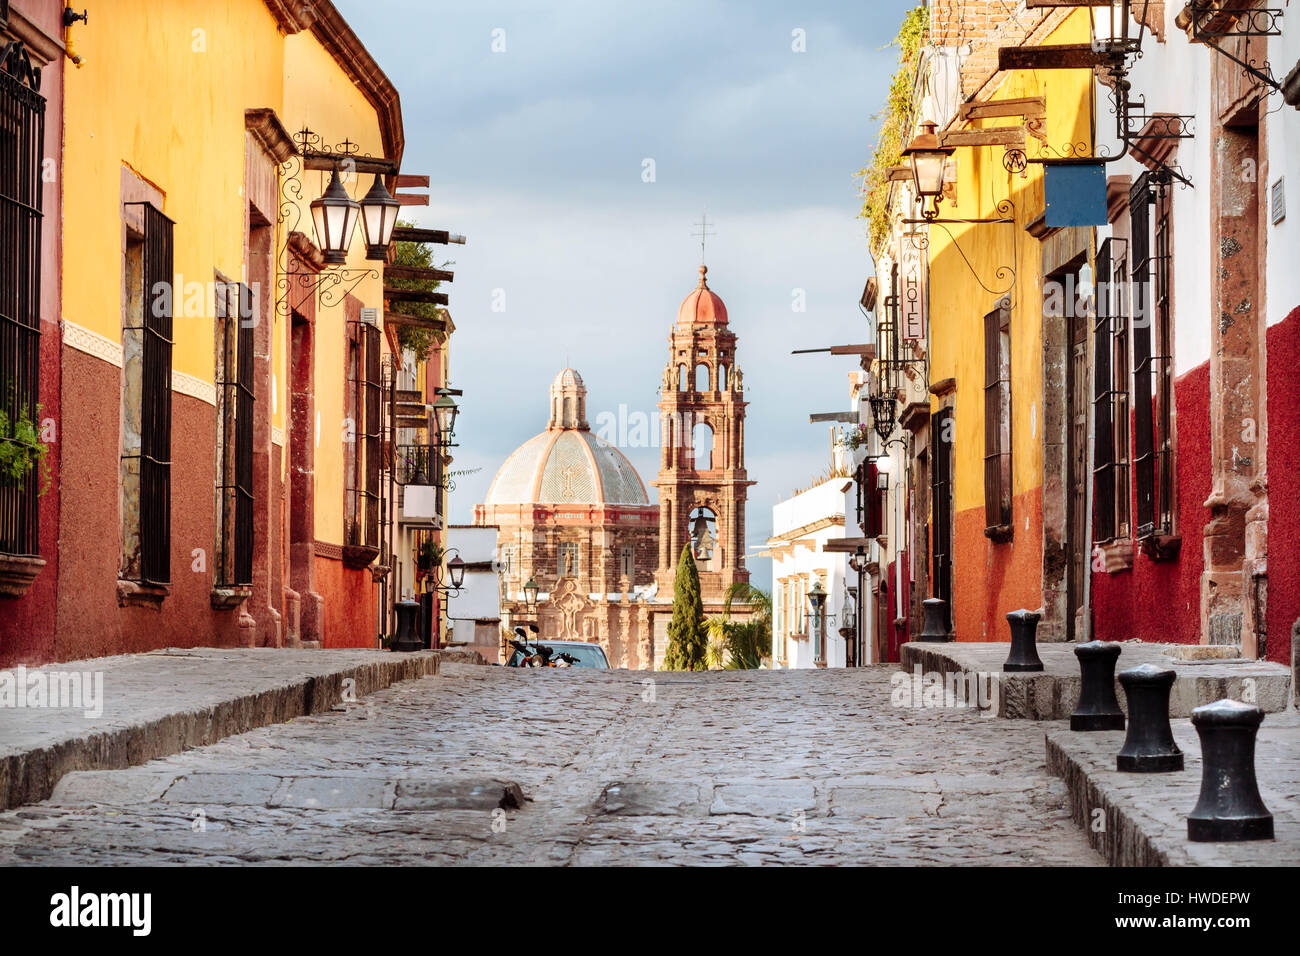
577, 144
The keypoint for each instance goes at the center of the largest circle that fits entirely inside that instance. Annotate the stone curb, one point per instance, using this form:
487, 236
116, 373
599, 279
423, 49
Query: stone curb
30, 776
1053, 693
1122, 842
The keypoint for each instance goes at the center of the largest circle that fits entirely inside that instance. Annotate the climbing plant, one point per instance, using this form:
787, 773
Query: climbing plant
895, 121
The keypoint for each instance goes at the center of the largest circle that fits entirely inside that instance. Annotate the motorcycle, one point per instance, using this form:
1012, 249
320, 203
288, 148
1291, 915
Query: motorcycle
540, 655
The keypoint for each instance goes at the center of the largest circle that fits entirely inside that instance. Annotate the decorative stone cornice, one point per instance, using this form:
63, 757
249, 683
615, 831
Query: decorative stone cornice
91, 343
194, 387
270, 133
308, 252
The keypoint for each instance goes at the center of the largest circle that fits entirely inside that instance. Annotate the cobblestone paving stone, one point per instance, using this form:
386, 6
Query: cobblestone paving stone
801, 767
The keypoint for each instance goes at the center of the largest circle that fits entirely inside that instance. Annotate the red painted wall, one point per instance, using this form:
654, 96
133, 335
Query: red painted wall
27, 623
349, 608
1161, 600
991, 580
1283, 487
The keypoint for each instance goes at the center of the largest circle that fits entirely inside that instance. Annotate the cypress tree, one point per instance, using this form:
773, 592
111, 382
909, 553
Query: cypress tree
687, 640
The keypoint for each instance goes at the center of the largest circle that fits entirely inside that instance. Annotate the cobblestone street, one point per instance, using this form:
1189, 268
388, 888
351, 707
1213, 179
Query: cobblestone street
725, 767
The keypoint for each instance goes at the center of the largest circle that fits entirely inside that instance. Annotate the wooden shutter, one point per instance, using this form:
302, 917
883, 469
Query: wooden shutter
1103, 469
1144, 459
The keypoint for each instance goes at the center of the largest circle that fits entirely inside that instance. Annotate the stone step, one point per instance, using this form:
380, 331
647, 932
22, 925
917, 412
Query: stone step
156, 704
1140, 819
1051, 694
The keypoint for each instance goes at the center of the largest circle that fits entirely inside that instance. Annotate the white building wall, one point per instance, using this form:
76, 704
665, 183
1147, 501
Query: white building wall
809, 563
1283, 162
480, 598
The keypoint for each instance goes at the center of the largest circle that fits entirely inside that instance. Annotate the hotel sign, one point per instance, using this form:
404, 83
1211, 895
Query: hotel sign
911, 288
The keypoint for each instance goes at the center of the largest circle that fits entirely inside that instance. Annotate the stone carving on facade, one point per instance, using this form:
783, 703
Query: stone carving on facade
570, 603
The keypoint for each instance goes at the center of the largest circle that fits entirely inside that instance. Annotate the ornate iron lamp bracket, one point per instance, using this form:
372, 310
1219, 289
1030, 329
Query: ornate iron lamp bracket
295, 285
1003, 273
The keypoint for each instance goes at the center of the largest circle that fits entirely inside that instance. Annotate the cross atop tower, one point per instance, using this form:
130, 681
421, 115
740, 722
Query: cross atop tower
704, 232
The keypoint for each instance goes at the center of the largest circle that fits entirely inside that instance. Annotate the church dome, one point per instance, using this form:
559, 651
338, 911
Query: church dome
567, 464
702, 306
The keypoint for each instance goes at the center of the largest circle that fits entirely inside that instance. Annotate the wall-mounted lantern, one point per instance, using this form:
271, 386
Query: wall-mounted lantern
378, 217
334, 216
928, 157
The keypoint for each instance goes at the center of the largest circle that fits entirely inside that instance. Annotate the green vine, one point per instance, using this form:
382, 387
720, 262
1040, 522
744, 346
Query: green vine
896, 120
21, 449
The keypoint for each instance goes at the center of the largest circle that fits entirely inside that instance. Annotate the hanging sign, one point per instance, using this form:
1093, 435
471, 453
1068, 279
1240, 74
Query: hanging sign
911, 288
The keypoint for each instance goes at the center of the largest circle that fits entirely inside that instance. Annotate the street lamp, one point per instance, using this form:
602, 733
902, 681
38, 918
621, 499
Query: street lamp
530, 595
817, 600
444, 414
882, 414
378, 217
928, 157
334, 216
456, 573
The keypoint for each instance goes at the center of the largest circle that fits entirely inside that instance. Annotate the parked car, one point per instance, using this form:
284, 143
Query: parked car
586, 655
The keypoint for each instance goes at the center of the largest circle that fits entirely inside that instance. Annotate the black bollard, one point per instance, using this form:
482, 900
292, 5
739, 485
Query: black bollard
934, 628
1230, 808
407, 637
1024, 642
1097, 709
1149, 745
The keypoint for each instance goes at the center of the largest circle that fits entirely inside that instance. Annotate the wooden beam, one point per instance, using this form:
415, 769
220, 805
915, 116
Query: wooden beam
405, 180
419, 321
325, 162
437, 236
418, 273
1061, 56
847, 417
847, 545
412, 199
1051, 4
899, 174
1030, 107
997, 136
415, 295
853, 350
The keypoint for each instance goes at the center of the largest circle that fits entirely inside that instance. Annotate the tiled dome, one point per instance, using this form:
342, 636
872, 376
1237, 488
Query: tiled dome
702, 306
567, 463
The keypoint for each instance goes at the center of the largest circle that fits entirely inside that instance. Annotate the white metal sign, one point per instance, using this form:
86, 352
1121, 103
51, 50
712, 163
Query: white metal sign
911, 291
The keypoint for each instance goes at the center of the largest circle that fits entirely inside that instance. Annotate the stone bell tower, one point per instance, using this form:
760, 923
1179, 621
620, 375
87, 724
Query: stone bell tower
702, 483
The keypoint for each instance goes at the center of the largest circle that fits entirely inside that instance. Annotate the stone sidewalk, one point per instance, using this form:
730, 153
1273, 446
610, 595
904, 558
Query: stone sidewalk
167, 701
1145, 814
1052, 693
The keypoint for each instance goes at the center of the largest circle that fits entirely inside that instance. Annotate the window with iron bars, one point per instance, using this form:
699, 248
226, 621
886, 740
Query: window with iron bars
22, 137
363, 465
1111, 394
1152, 339
997, 423
147, 400
235, 323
